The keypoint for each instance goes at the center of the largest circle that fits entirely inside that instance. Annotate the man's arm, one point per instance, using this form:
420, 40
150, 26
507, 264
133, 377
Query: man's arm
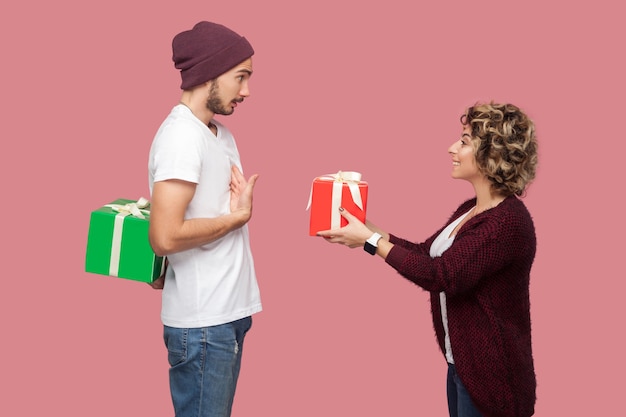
170, 232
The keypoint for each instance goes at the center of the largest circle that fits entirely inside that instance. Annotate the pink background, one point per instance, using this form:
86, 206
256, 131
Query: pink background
338, 85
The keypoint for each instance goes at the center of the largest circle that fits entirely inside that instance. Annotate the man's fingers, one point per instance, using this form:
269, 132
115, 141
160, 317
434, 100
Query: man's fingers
253, 179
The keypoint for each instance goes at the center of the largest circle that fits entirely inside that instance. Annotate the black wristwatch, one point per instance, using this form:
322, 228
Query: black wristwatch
372, 243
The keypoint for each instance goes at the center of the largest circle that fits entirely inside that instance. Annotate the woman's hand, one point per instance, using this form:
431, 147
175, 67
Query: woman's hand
353, 235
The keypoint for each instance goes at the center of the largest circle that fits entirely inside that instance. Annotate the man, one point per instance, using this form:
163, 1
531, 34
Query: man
201, 203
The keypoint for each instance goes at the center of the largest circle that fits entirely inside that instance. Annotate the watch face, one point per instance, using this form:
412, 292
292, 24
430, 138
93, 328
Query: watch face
369, 248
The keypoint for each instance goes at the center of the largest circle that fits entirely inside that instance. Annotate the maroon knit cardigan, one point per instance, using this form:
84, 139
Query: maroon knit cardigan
485, 275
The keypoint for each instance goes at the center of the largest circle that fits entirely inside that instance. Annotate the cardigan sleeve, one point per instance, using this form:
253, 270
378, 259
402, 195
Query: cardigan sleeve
424, 247
485, 244
408, 245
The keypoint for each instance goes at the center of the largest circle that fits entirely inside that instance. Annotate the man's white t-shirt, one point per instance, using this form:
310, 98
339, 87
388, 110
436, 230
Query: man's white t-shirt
215, 283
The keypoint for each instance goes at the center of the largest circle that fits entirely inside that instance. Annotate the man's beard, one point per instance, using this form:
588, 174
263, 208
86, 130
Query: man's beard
214, 102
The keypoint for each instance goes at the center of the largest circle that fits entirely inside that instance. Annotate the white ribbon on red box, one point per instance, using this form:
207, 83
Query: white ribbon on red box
137, 209
352, 179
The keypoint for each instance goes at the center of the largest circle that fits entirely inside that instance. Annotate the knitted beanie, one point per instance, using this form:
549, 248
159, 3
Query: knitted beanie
207, 51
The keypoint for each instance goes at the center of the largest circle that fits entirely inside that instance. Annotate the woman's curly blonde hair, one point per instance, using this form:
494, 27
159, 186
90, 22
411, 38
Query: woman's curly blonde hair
505, 145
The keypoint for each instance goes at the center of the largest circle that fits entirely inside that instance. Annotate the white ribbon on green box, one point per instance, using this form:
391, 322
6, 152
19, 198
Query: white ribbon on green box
137, 209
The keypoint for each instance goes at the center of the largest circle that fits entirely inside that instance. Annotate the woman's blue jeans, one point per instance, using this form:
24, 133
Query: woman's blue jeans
459, 402
204, 367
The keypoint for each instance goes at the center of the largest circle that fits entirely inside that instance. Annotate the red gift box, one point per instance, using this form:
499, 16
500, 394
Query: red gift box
329, 192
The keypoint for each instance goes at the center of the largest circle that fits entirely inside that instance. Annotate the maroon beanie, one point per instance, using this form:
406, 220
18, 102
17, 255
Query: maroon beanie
207, 51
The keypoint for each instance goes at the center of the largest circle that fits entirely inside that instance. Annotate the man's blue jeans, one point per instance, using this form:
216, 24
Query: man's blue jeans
204, 367
459, 402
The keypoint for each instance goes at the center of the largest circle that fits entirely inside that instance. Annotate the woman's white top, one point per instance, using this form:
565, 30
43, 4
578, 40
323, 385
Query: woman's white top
439, 246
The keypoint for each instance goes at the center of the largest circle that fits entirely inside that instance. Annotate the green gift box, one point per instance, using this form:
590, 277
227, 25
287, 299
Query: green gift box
118, 244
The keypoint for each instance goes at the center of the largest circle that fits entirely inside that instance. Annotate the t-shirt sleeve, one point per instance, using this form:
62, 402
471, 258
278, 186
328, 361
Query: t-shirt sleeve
178, 153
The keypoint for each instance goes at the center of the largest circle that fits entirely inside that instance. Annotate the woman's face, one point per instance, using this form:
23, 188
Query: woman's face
463, 160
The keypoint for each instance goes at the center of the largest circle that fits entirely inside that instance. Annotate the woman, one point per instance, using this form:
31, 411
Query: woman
477, 266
